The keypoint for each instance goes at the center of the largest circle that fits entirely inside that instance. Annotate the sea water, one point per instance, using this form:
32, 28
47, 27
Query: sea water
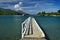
10, 26
50, 25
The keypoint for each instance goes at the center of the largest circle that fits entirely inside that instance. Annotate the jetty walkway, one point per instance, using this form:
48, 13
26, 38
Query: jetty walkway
31, 30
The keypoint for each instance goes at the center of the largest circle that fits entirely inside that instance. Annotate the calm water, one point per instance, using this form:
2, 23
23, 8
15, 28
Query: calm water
10, 26
51, 26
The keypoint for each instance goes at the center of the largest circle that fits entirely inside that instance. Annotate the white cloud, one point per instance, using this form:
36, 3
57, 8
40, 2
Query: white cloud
49, 4
18, 6
36, 1
31, 10
21, 8
37, 5
7, 0
27, 7
20, 3
44, 5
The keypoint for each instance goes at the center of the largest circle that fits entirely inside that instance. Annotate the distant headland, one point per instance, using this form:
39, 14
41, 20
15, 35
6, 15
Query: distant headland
11, 12
48, 13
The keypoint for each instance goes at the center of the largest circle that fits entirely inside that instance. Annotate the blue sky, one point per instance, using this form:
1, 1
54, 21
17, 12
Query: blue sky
31, 6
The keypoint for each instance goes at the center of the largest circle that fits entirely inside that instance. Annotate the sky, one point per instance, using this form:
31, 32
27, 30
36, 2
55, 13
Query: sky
31, 6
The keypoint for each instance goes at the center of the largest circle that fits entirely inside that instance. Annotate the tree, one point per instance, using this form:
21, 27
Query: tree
43, 13
39, 14
58, 11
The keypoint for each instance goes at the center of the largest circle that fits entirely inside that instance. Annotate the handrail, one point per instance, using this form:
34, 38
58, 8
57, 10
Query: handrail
25, 26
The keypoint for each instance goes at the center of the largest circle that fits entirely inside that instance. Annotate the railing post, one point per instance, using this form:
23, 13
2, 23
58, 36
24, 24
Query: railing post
22, 30
25, 26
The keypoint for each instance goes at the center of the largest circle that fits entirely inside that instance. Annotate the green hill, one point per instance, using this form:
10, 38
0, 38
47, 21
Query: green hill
10, 12
43, 13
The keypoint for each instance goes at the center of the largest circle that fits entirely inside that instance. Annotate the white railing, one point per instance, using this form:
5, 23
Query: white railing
25, 26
